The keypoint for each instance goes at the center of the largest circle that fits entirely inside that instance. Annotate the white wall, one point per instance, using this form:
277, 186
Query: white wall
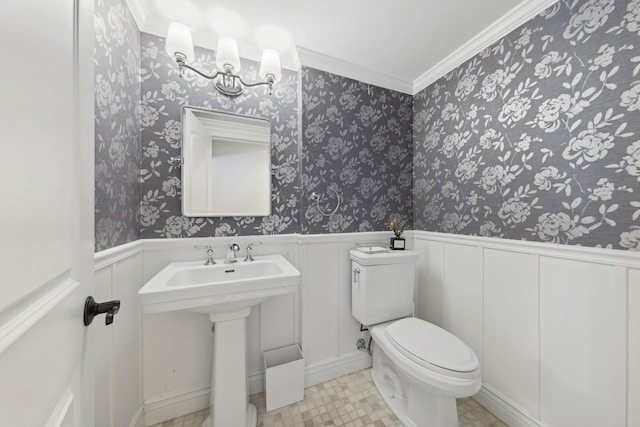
556, 328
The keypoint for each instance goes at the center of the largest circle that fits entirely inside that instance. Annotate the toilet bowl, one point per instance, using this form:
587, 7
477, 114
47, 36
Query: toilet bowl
418, 368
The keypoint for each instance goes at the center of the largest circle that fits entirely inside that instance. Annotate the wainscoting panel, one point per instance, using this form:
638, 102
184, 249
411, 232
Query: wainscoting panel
633, 397
319, 301
558, 325
277, 324
582, 376
563, 318
329, 330
462, 294
511, 323
118, 377
127, 387
430, 275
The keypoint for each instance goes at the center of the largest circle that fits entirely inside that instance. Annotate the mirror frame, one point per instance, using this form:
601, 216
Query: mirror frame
188, 211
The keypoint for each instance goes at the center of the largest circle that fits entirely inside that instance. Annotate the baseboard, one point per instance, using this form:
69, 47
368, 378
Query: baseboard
162, 408
255, 382
320, 372
508, 412
138, 419
165, 407
333, 368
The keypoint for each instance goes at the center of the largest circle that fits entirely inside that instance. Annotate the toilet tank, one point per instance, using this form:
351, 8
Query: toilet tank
382, 285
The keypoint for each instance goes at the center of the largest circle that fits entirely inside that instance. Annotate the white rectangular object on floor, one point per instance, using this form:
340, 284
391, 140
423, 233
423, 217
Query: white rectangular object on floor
284, 376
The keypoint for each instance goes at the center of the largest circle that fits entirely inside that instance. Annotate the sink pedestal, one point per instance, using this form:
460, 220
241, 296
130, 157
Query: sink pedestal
230, 405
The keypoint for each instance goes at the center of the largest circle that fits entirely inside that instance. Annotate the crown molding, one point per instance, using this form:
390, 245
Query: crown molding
520, 14
313, 59
140, 11
523, 12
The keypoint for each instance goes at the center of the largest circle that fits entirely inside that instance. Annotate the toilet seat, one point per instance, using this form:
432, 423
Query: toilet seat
432, 347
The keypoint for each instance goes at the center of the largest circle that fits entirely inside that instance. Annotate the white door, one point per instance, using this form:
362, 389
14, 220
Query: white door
46, 212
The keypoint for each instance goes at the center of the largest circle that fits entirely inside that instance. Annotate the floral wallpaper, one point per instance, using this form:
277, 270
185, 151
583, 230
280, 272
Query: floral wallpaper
117, 134
163, 95
356, 151
537, 137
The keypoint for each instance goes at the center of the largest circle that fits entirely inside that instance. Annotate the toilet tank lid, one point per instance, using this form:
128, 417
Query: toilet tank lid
428, 344
381, 258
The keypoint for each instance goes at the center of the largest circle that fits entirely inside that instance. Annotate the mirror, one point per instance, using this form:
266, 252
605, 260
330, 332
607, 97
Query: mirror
226, 164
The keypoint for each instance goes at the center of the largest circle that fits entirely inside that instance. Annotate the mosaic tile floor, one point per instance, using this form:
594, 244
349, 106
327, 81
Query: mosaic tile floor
349, 401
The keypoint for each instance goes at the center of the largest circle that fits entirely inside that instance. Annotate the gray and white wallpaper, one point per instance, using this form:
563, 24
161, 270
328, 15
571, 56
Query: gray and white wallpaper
163, 95
357, 146
537, 137
117, 133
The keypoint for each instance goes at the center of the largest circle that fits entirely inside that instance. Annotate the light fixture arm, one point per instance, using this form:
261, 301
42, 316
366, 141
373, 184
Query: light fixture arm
227, 81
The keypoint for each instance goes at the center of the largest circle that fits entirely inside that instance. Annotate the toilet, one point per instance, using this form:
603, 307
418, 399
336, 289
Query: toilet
418, 368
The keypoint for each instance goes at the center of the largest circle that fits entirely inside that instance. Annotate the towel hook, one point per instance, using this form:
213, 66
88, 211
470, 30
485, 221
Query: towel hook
316, 196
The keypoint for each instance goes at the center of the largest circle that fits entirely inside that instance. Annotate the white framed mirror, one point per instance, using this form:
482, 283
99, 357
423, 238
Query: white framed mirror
226, 164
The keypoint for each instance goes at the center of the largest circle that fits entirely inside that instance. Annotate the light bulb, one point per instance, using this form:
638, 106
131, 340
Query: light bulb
179, 41
227, 54
270, 64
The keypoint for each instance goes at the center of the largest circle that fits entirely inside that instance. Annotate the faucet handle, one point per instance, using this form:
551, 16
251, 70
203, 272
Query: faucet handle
250, 246
209, 249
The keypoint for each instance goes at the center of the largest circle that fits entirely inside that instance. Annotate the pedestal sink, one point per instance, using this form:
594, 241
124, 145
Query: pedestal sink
226, 292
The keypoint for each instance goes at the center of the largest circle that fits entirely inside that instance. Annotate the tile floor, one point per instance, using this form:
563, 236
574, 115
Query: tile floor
351, 401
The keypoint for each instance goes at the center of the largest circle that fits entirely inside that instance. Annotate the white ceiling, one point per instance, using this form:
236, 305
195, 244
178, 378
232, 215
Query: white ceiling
403, 45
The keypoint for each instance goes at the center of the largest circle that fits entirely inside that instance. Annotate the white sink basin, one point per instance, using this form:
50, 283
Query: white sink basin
218, 288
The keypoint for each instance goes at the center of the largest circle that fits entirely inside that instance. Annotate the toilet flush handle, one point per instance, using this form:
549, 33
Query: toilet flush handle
356, 271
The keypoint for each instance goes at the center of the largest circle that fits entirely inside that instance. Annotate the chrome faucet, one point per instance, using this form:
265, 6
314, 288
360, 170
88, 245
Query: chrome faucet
231, 254
209, 249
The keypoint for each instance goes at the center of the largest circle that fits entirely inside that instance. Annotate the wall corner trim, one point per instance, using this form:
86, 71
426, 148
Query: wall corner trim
520, 14
313, 59
140, 11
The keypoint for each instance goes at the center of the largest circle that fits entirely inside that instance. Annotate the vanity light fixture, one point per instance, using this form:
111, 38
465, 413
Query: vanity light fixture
179, 46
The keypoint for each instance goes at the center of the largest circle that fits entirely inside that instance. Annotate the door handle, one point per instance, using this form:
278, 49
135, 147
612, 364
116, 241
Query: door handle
92, 309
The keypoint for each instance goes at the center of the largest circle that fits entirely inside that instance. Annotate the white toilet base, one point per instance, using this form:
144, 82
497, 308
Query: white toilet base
413, 405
